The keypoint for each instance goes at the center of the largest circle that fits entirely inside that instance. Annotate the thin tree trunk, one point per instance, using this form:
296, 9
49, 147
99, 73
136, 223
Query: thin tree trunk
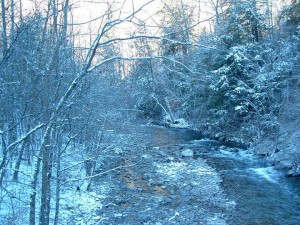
33, 190
45, 169
59, 153
21, 11
19, 160
4, 30
46, 174
57, 190
12, 28
25, 145
98, 148
170, 110
3, 162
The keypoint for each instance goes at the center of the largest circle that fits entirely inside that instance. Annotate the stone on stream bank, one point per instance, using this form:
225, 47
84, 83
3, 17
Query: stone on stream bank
283, 152
294, 171
187, 153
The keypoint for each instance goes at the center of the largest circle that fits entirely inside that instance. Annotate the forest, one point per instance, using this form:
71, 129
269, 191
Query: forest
73, 72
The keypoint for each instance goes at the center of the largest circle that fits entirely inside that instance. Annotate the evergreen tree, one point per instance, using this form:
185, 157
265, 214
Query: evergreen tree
290, 17
244, 23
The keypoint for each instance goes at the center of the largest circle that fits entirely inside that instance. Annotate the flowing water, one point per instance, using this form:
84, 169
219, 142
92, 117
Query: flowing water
262, 194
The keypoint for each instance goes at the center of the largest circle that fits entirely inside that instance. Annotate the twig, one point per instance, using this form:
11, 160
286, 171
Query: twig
97, 175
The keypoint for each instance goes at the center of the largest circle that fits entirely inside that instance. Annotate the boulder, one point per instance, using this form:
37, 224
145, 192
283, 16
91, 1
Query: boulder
187, 153
222, 147
294, 172
150, 183
220, 136
233, 149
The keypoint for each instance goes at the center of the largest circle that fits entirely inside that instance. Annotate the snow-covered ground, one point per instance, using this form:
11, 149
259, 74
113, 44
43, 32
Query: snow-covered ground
139, 181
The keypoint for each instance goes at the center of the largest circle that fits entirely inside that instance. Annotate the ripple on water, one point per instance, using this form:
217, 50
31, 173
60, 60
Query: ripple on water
268, 173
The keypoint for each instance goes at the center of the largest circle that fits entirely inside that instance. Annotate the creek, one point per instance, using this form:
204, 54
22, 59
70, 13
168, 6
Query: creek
262, 194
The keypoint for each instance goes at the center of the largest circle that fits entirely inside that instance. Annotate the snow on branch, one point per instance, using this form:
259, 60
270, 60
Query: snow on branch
162, 38
107, 27
141, 58
26, 135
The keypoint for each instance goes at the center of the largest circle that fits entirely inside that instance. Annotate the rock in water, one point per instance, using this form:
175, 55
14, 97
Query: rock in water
294, 172
187, 153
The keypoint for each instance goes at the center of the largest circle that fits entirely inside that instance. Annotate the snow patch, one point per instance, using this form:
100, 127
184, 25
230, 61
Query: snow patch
82, 206
172, 169
180, 123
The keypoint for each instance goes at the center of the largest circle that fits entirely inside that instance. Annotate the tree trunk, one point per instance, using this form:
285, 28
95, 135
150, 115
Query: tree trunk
3, 162
57, 190
44, 149
18, 163
4, 31
46, 175
12, 28
33, 190
170, 110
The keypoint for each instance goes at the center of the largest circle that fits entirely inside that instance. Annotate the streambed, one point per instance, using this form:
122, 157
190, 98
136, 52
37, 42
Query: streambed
262, 194
217, 185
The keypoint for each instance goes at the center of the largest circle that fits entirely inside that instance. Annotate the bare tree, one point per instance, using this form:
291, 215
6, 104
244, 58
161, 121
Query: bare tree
62, 104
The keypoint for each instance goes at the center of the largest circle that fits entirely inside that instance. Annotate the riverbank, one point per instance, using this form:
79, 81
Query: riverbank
280, 149
149, 174
151, 180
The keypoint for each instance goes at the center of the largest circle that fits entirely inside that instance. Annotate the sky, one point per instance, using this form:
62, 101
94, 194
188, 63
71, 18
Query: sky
84, 11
